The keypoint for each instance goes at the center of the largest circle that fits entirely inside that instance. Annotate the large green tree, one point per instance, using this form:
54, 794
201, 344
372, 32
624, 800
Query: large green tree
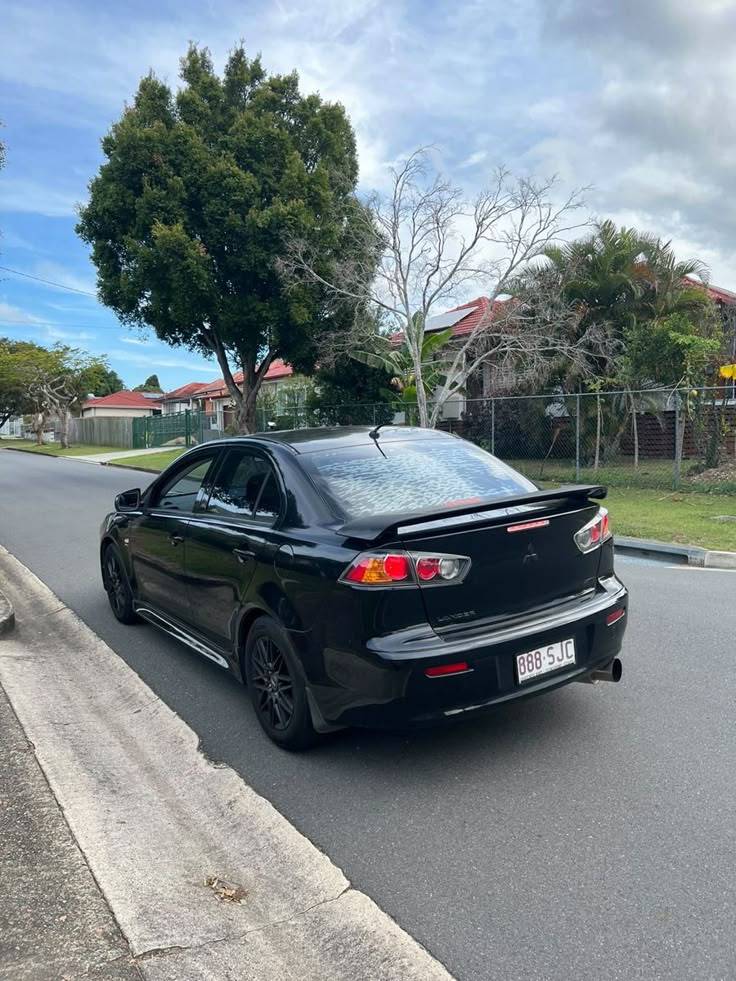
105, 381
188, 215
18, 363
151, 384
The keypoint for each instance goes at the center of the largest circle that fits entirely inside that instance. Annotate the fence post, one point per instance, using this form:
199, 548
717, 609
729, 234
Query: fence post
493, 426
187, 428
577, 438
676, 465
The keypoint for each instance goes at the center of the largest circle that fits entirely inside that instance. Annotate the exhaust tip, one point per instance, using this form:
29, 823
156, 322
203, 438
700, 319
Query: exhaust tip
611, 672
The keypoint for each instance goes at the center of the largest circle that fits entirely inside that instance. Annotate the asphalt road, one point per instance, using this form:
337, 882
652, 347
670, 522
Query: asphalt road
589, 834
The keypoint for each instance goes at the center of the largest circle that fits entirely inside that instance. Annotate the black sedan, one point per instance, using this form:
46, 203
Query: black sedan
369, 577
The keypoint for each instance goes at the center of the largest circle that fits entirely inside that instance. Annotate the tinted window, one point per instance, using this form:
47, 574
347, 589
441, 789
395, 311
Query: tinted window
239, 487
412, 476
181, 492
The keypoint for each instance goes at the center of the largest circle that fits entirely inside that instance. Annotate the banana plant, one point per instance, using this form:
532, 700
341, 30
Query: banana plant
398, 364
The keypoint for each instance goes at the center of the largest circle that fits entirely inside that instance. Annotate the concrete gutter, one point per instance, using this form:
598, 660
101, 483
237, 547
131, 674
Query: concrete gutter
680, 554
7, 614
162, 827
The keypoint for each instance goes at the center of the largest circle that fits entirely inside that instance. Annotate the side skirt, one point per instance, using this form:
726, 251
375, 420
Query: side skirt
178, 633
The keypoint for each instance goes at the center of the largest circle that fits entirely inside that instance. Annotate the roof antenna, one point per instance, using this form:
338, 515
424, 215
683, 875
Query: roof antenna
374, 434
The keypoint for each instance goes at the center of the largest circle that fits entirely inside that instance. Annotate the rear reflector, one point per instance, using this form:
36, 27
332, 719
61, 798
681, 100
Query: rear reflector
615, 616
443, 669
528, 525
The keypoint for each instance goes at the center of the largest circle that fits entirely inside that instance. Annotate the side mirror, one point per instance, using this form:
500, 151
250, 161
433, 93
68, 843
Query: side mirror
129, 500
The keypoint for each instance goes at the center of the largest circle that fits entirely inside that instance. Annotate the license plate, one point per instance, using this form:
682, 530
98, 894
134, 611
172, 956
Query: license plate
545, 659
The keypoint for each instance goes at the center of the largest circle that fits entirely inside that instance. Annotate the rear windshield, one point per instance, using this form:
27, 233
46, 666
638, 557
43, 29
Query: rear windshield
399, 477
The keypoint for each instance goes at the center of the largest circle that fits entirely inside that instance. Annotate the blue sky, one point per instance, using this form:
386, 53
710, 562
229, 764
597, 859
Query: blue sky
635, 99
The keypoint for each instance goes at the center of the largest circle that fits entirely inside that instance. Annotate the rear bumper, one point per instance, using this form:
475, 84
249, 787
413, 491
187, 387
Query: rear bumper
386, 685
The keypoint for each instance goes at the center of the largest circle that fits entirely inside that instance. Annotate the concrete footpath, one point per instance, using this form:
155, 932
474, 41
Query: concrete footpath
54, 921
127, 854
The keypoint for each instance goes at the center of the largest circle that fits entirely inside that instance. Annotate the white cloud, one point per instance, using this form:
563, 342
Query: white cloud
16, 314
135, 340
65, 278
162, 361
22, 194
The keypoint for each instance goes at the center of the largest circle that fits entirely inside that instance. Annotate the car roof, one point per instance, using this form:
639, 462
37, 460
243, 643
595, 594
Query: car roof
335, 437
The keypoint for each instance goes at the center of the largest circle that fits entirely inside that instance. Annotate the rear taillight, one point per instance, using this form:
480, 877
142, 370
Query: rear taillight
379, 569
405, 569
594, 533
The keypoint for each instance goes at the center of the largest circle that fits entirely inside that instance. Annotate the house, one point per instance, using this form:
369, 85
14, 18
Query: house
130, 405
215, 399
12, 428
182, 398
463, 320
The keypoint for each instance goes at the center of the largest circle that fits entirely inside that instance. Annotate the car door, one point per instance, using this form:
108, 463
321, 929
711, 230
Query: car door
227, 540
158, 539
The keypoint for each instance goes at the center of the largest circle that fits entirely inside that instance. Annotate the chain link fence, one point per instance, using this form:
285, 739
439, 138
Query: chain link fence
662, 439
651, 438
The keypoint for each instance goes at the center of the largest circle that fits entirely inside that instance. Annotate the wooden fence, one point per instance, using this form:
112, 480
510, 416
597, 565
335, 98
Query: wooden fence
101, 431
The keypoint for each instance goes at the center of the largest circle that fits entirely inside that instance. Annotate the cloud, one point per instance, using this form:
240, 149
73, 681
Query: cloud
16, 314
474, 159
650, 126
22, 194
163, 361
135, 340
64, 277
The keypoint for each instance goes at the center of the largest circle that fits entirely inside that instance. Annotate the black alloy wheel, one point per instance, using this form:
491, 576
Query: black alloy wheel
276, 686
118, 588
272, 683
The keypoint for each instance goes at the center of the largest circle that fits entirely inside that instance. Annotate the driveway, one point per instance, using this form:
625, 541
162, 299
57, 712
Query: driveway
585, 835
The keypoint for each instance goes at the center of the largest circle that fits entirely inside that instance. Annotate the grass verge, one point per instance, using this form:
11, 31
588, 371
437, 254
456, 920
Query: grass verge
150, 461
685, 519
54, 449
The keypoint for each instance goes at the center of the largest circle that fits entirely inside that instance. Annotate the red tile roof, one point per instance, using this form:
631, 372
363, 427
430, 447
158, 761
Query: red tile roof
124, 400
218, 389
715, 292
184, 391
476, 308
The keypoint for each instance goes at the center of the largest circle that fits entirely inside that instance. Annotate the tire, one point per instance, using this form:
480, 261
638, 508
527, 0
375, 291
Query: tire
117, 586
276, 687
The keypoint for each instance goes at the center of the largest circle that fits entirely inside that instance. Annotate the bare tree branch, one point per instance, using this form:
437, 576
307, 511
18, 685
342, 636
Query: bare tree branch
433, 247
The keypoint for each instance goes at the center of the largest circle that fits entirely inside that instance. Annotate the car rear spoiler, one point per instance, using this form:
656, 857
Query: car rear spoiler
374, 527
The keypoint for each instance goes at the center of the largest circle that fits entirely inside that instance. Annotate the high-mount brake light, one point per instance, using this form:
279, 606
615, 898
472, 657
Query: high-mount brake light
594, 533
405, 569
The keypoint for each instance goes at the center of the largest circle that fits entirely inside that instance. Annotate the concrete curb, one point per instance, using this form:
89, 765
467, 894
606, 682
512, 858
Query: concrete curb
24, 449
126, 466
7, 614
160, 825
702, 558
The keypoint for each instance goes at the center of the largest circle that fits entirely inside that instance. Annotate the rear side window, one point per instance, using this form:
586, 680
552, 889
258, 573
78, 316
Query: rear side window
245, 487
401, 477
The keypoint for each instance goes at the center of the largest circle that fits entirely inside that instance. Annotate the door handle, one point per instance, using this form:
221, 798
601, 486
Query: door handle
176, 539
243, 554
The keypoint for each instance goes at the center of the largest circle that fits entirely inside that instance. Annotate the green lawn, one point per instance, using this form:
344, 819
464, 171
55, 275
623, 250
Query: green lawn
150, 461
686, 519
54, 449
650, 474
